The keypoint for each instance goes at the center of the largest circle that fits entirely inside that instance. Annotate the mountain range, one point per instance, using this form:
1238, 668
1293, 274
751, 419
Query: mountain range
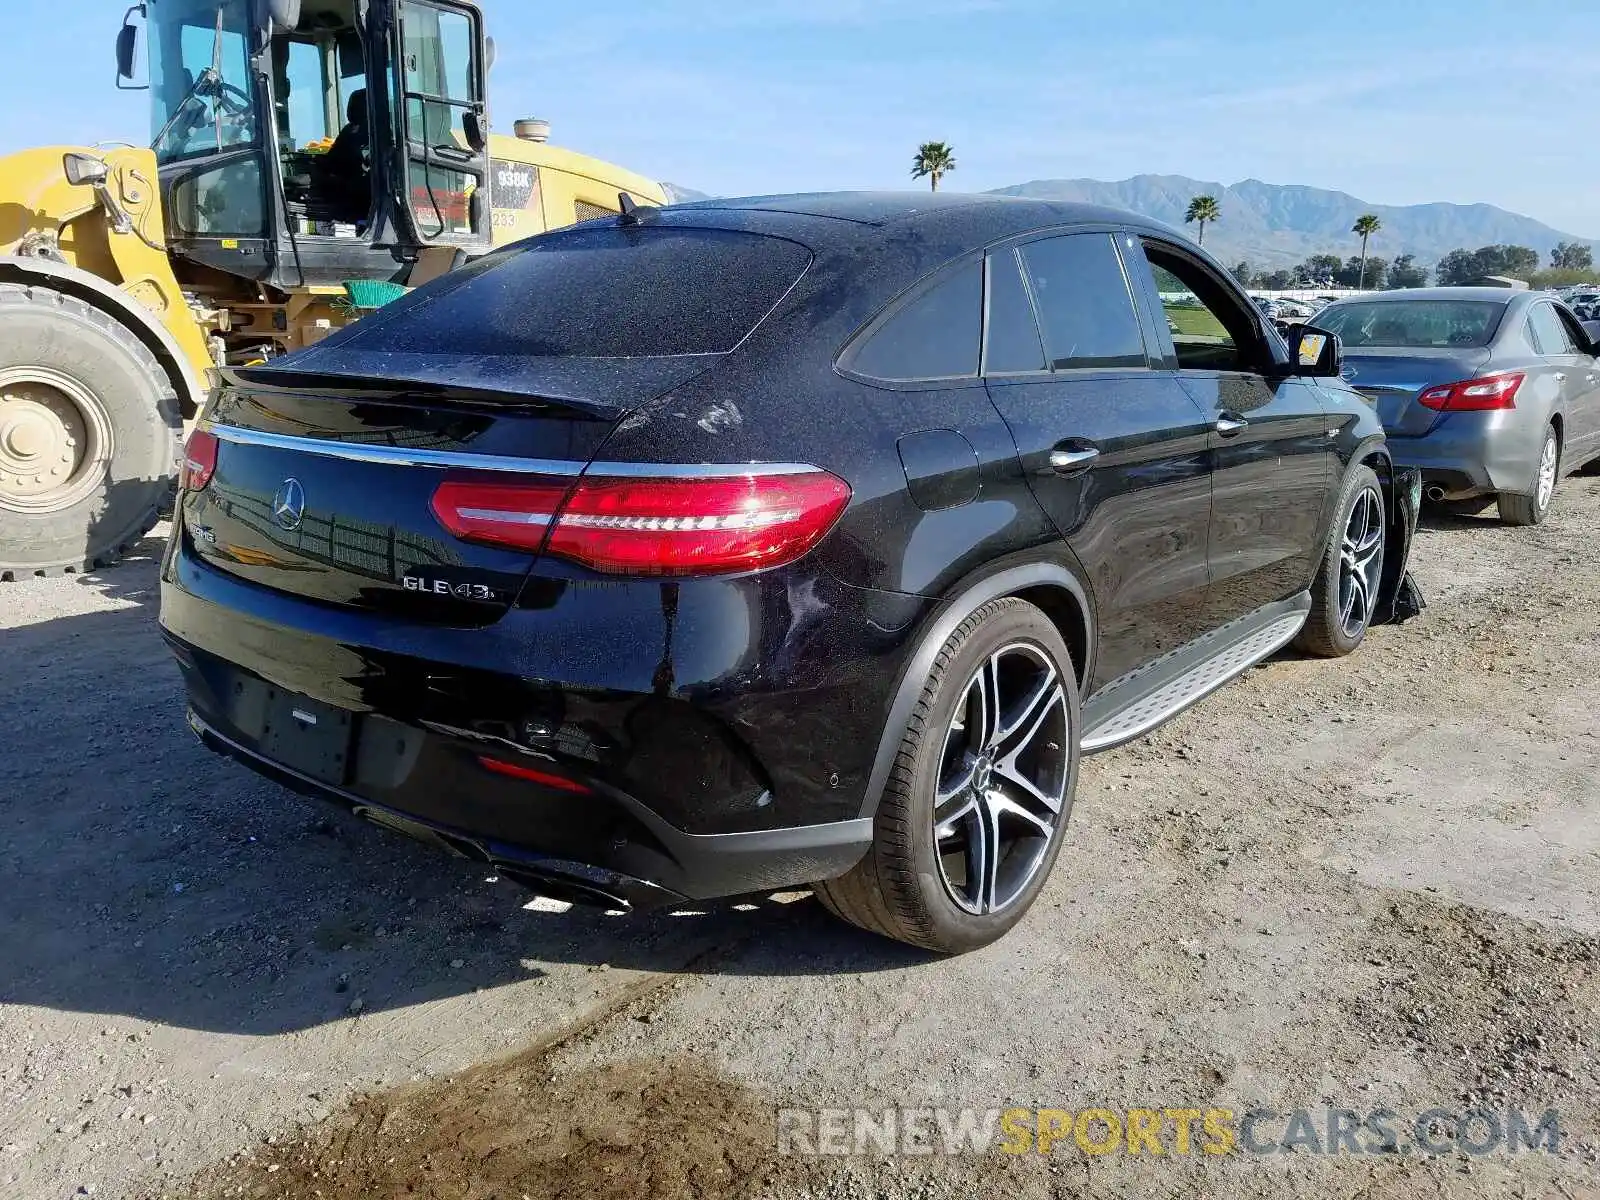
1276, 225
1279, 225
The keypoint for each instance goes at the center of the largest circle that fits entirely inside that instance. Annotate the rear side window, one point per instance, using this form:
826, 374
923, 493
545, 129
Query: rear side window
1085, 309
1013, 334
599, 293
933, 336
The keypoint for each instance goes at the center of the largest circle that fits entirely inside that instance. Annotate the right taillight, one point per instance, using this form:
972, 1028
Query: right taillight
628, 525
1474, 395
199, 460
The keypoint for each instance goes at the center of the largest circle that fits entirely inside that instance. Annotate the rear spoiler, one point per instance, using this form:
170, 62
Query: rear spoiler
602, 388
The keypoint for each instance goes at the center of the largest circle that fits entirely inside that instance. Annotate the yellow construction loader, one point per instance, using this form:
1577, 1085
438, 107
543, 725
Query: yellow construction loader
310, 160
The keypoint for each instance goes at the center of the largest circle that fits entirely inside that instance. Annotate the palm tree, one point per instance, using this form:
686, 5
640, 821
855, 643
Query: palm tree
934, 160
1201, 210
1366, 225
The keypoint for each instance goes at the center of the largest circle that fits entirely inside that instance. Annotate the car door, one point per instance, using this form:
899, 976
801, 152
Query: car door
1563, 338
1115, 452
1275, 465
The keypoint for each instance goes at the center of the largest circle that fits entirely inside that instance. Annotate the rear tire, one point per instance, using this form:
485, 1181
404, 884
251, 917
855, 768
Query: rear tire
1344, 593
89, 434
1532, 509
919, 883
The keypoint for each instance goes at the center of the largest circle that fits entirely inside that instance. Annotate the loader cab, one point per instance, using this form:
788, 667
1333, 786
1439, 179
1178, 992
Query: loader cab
304, 143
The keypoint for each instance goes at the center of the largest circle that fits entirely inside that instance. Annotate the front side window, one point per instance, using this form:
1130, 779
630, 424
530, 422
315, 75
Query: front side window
933, 336
200, 89
1211, 330
1085, 309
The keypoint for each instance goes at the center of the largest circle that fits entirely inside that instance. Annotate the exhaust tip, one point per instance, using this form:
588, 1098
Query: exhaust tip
1434, 493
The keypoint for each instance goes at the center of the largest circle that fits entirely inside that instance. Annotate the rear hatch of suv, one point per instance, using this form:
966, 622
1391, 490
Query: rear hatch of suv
320, 475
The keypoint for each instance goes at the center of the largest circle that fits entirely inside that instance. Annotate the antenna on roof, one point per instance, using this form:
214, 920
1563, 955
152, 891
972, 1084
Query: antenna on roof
632, 211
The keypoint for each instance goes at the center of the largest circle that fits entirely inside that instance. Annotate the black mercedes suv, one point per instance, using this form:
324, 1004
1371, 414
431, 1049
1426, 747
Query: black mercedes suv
747, 544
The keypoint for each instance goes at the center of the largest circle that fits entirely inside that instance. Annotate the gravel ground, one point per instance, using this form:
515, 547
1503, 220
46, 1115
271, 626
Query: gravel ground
1366, 884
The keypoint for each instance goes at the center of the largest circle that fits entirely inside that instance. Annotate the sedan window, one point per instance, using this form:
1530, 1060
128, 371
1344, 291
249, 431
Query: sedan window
1416, 323
1549, 332
933, 336
1085, 308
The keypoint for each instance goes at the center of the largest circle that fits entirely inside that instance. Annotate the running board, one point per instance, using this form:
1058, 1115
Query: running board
1138, 702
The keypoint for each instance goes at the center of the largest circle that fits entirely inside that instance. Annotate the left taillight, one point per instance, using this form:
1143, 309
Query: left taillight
199, 460
1474, 395
626, 525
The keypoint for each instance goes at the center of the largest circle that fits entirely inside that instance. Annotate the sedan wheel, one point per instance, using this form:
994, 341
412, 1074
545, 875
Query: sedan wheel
1534, 507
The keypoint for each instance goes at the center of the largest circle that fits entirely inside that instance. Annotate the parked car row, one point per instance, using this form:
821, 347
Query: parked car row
812, 540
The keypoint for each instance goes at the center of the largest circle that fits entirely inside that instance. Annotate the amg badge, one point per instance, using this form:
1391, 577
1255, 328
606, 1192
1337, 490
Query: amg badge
455, 591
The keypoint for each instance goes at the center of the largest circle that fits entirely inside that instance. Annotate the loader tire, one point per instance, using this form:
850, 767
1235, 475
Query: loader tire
90, 430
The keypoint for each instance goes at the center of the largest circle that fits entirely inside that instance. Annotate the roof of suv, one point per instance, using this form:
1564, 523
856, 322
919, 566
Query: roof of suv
973, 218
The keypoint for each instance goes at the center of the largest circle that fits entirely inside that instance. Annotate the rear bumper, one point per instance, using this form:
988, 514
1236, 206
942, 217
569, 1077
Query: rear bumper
721, 735
680, 867
1471, 454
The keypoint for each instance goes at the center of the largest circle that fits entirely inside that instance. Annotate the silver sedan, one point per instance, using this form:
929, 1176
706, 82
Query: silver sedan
1494, 393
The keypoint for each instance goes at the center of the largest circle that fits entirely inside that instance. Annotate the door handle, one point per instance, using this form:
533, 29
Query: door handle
1228, 424
1065, 462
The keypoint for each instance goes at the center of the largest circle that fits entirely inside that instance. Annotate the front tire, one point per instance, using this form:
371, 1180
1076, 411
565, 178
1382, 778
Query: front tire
1532, 509
1345, 591
89, 434
976, 807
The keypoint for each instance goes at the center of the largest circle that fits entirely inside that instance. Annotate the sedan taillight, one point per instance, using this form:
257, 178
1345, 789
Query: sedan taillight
1474, 395
623, 525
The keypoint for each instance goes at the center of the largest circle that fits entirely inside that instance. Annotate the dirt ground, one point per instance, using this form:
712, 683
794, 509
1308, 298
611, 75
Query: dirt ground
1367, 885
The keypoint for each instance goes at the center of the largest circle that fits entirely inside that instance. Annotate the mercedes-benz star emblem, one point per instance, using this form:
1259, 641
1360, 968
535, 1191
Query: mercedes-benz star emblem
289, 504
1347, 374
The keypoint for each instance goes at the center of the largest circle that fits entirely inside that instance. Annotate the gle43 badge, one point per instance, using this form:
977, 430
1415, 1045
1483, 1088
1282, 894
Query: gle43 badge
451, 590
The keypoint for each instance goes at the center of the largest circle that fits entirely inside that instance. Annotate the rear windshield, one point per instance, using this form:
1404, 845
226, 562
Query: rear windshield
606, 292
1420, 323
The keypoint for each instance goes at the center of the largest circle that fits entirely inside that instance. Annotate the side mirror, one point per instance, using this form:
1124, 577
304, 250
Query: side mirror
83, 169
1592, 328
476, 128
285, 13
1315, 353
488, 55
127, 47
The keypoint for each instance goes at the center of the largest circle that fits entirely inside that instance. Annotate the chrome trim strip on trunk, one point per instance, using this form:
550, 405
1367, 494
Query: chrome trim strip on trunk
407, 456
403, 456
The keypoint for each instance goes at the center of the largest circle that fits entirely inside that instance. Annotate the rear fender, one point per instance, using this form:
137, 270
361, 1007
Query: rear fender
1030, 578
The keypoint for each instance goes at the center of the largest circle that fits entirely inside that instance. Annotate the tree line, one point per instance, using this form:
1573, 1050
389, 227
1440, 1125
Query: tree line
1570, 262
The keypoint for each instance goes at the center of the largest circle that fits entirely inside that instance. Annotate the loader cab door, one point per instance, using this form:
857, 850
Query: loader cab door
442, 176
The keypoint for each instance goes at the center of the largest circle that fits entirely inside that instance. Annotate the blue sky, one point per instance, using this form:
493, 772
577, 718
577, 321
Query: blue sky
1395, 101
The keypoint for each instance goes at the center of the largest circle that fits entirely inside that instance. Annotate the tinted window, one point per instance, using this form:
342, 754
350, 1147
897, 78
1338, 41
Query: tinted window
597, 293
934, 336
1550, 334
1013, 334
1413, 322
1084, 307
